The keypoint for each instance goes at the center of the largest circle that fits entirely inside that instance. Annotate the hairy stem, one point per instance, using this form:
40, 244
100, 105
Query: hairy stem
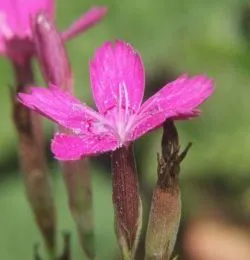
126, 200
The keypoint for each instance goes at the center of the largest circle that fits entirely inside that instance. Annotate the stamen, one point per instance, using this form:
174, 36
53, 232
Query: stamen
119, 103
119, 119
126, 102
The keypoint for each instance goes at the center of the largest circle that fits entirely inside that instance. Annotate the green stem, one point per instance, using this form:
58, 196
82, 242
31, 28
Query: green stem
78, 182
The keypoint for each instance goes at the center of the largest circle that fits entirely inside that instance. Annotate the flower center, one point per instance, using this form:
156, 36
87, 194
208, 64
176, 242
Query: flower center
117, 120
120, 117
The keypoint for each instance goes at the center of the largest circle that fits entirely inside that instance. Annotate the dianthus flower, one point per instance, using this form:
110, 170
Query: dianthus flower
117, 79
15, 25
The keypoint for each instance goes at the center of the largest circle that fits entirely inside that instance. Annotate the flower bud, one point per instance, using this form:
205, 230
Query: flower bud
51, 52
56, 67
32, 158
165, 213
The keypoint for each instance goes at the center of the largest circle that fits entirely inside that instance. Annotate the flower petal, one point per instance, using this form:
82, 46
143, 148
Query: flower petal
68, 147
113, 68
86, 21
62, 108
178, 100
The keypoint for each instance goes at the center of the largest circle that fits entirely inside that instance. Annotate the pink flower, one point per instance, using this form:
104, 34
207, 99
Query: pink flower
117, 79
16, 29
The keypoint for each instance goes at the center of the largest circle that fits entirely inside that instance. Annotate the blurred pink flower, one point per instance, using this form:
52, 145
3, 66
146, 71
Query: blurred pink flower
16, 28
117, 79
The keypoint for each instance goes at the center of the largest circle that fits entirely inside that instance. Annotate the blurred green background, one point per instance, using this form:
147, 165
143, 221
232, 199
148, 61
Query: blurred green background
173, 37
